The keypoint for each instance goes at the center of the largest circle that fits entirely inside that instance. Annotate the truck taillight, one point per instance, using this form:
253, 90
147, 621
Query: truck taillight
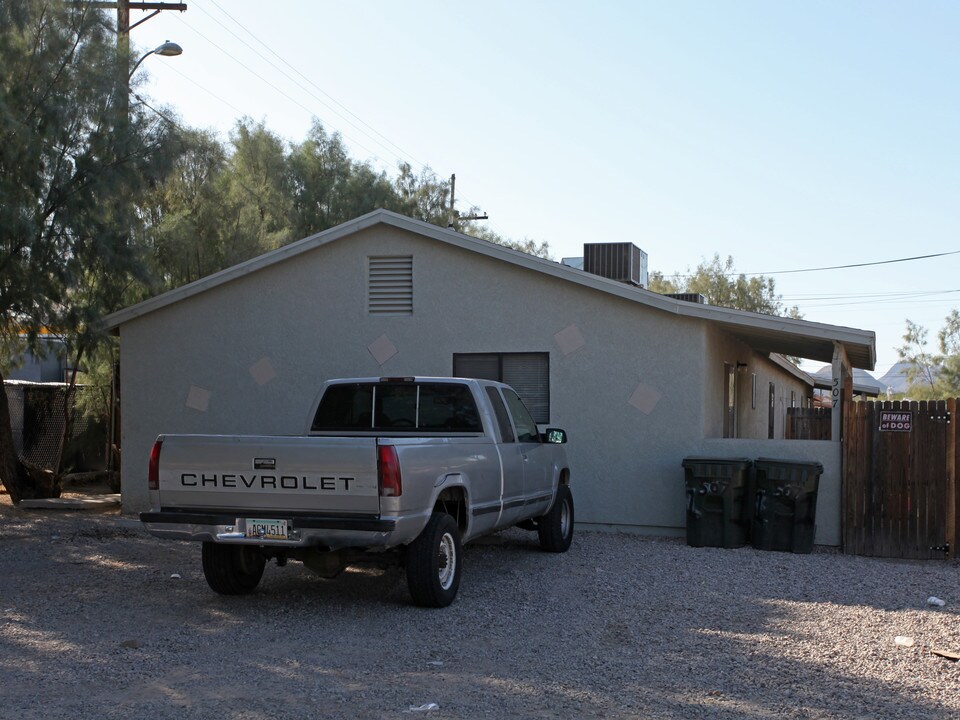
153, 471
388, 472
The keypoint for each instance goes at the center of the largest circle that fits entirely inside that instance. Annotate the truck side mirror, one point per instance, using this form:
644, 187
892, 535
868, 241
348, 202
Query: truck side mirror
555, 435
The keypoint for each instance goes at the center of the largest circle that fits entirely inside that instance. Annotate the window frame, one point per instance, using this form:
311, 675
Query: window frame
538, 406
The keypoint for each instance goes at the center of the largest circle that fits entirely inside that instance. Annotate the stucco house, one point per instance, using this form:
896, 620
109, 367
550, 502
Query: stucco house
638, 380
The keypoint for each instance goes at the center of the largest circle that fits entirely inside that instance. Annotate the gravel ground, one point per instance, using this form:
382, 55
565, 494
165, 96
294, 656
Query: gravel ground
98, 620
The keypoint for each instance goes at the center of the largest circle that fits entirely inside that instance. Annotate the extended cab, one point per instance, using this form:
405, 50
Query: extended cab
390, 469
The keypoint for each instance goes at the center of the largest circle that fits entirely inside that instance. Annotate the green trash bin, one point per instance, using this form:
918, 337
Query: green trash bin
716, 501
785, 504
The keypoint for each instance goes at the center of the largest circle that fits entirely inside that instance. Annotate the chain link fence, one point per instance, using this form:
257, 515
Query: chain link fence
38, 420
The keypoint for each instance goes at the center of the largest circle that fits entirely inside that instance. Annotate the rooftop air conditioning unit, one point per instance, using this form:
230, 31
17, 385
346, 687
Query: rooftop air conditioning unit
688, 297
624, 262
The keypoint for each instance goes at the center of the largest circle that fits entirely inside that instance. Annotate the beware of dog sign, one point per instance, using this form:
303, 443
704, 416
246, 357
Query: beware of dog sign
896, 420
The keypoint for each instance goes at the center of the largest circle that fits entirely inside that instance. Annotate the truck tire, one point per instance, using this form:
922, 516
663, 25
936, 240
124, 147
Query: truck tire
433, 563
555, 529
232, 569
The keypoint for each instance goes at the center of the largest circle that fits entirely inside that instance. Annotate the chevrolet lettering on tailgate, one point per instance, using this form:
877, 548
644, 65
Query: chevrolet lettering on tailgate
273, 482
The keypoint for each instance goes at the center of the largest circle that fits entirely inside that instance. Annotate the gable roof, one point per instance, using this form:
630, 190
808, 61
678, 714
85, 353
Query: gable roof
764, 333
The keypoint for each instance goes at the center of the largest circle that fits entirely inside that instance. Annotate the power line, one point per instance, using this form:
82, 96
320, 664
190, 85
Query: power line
400, 152
169, 67
897, 300
840, 296
231, 106
905, 296
277, 89
855, 265
830, 267
308, 80
297, 82
182, 129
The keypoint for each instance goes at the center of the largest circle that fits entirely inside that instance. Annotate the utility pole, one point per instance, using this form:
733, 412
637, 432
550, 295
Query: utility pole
453, 192
123, 54
455, 217
124, 27
125, 6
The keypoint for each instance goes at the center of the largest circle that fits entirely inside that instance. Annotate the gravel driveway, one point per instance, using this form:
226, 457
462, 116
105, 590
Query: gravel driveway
93, 624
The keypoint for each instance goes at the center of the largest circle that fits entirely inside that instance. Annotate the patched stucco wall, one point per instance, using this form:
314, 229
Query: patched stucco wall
627, 382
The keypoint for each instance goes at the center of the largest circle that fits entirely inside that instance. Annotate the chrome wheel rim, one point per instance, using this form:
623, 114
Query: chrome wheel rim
447, 561
564, 519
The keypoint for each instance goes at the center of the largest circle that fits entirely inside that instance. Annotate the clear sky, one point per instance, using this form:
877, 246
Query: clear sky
790, 135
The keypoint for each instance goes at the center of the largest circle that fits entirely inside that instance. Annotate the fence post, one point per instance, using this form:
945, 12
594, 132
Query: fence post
953, 496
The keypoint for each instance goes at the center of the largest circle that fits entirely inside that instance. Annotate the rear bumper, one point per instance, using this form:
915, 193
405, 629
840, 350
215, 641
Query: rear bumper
331, 531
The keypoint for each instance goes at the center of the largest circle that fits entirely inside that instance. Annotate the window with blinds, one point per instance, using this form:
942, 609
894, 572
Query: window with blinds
390, 285
527, 373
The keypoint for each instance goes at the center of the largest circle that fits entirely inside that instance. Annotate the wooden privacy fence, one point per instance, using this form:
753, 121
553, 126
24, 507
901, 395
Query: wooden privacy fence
900, 479
808, 424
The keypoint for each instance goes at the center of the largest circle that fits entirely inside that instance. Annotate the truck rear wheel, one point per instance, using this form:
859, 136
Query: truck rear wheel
555, 529
433, 563
232, 569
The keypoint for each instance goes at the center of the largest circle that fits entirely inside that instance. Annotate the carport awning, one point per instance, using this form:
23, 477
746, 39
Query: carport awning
806, 340
783, 335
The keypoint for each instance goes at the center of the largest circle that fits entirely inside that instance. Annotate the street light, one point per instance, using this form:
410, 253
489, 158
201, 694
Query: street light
168, 49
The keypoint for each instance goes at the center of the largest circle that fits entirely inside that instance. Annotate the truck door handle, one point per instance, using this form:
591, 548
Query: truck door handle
264, 463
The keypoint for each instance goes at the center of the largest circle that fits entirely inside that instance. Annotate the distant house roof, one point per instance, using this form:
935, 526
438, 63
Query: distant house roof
863, 382
765, 333
868, 390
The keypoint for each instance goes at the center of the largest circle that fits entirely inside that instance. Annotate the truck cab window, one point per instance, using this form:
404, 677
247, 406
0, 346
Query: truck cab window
526, 428
436, 407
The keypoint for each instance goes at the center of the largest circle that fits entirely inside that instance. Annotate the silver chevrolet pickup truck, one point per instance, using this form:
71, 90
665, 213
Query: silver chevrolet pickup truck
389, 470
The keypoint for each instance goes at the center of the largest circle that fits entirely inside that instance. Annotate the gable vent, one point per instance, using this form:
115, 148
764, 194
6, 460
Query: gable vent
390, 285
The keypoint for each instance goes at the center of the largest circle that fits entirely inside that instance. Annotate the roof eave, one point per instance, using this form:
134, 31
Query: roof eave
813, 338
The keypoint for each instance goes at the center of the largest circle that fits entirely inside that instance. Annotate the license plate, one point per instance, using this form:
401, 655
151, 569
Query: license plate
267, 529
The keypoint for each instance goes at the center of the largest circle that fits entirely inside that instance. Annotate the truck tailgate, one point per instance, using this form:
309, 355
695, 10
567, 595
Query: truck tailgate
305, 474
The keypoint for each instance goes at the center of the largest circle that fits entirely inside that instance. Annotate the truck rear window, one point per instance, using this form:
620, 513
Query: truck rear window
438, 407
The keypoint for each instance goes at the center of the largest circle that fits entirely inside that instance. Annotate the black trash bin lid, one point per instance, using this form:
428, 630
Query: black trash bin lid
808, 464
694, 460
